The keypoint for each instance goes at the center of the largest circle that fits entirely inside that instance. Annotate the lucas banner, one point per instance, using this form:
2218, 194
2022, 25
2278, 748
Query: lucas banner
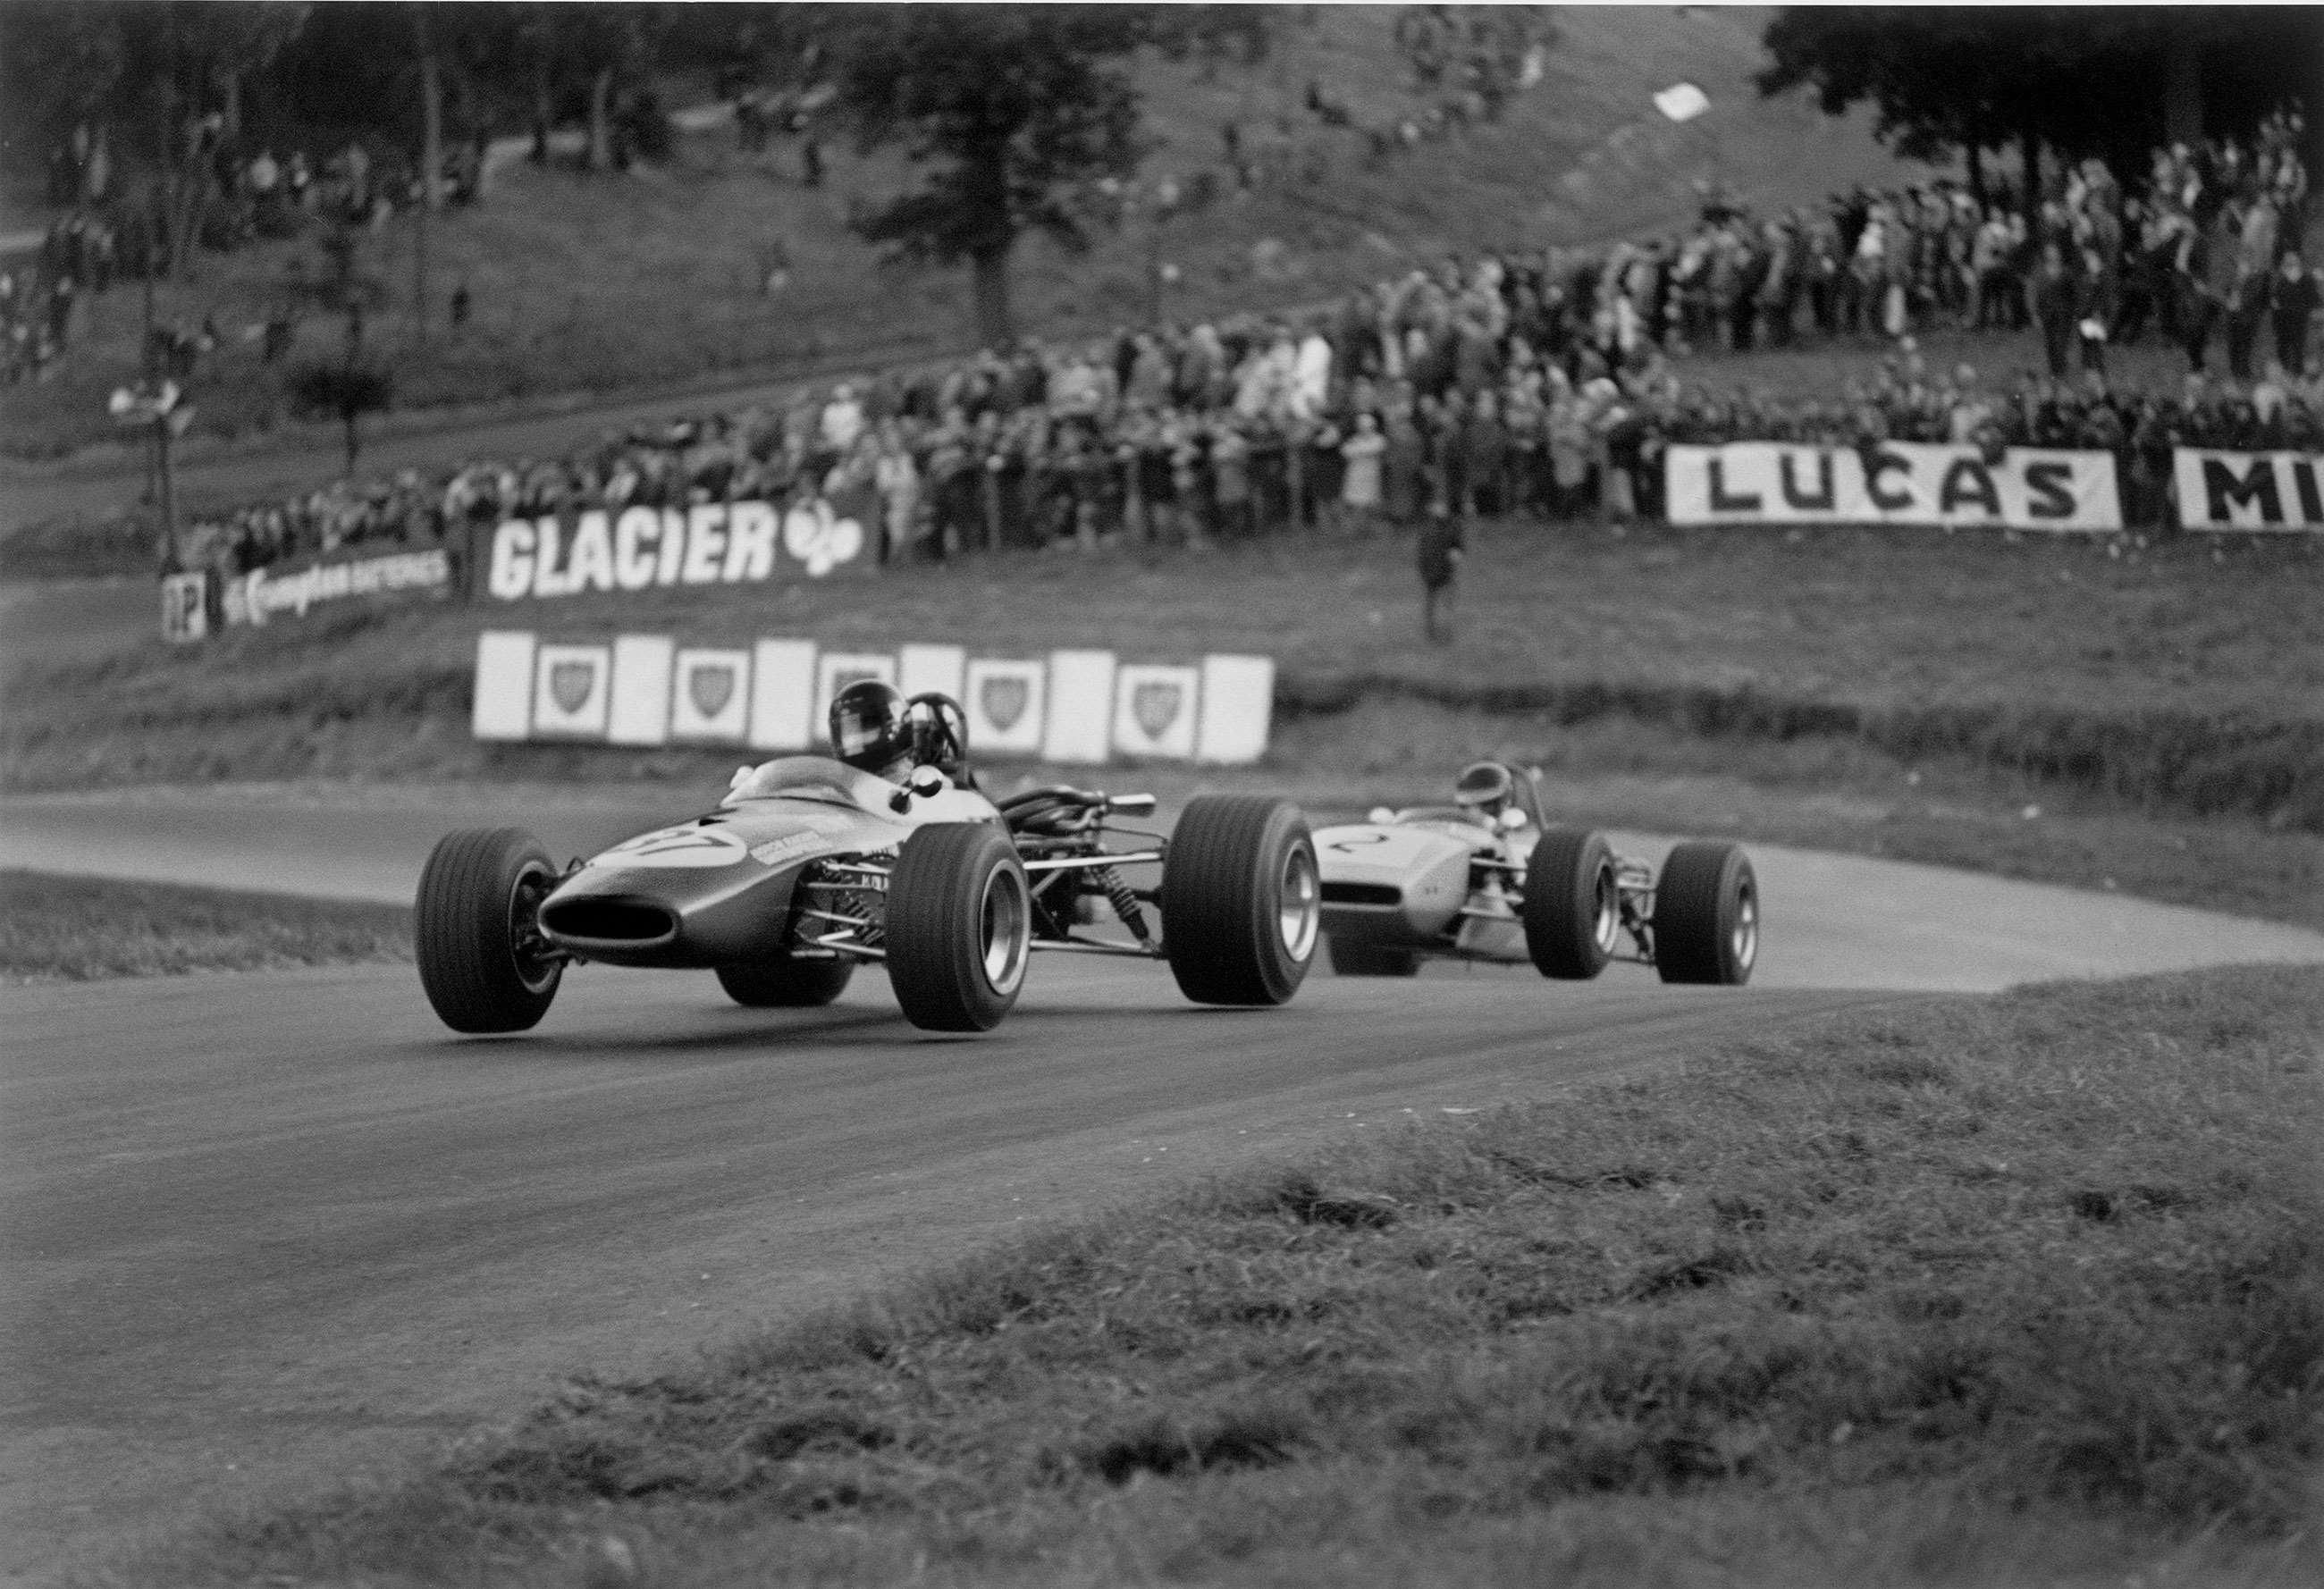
1896, 482
772, 697
2249, 490
710, 543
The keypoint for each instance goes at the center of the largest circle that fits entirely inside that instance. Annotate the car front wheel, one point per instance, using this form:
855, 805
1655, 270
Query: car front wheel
960, 927
476, 930
1572, 905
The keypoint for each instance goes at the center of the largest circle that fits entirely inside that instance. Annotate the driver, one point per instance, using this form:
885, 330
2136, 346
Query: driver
1486, 789
872, 729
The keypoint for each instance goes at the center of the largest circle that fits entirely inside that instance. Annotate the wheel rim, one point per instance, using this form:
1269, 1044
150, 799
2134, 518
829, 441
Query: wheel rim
1301, 904
1004, 922
537, 960
1743, 941
1605, 911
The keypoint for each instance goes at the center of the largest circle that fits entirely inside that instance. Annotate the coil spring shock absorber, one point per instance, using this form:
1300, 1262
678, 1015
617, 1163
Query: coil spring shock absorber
1125, 905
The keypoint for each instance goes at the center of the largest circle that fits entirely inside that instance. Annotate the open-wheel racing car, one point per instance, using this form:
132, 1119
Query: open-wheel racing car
1488, 878
813, 865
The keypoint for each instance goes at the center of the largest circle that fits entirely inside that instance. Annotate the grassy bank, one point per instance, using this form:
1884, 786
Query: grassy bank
2177, 679
2018, 1289
86, 929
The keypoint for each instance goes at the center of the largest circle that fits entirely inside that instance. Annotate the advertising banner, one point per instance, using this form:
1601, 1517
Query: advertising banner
185, 607
265, 593
1077, 706
639, 548
1896, 482
2271, 491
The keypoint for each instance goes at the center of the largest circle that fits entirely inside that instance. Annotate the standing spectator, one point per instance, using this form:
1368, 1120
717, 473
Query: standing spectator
842, 419
2055, 294
1360, 480
2291, 302
898, 482
1442, 547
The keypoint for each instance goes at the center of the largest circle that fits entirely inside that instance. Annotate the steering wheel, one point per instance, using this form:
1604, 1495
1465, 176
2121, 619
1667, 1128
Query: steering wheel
940, 735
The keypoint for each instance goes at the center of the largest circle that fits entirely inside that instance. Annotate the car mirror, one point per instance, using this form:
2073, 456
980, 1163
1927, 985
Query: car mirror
1379, 814
1513, 819
926, 780
1132, 805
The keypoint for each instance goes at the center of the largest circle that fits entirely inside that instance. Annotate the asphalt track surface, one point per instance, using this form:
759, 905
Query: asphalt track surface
265, 1234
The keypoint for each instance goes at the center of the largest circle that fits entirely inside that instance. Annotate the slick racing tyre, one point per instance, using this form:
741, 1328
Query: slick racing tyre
1369, 959
960, 927
1572, 905
786, 983
1241, 900
1707, 914
476, 930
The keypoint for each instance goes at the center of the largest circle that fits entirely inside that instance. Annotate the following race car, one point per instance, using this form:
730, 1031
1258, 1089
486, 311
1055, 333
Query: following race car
885, 851
1487, 879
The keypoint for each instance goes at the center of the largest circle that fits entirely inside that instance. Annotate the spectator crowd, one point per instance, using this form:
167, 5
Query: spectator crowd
239, 195
1536, 384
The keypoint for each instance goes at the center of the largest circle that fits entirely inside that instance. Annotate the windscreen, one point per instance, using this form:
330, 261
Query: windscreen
810, 777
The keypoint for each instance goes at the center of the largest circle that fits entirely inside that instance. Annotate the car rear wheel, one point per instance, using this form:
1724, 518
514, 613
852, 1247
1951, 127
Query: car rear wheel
1707, 914
1572, 905
1241, 900
1369, 960
960, 927
786, 984
476, 930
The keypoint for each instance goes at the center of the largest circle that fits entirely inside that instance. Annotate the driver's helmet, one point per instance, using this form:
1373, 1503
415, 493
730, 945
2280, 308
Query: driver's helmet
871, 728
1486, 788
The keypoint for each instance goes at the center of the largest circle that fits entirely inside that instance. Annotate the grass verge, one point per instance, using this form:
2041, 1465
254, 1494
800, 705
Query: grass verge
2177, 679
2014, 1290
61, 929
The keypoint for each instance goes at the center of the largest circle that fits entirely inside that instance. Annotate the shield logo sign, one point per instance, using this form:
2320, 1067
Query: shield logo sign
1004, 700
1007, 704
1156, 706
710, 688
1153, 710
569, 696
709, 697
571, 684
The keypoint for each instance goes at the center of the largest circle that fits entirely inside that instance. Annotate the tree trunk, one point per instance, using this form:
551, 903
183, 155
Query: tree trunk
2182, 89
348, 418
1977, 173
432, 111
600, 120
995, 327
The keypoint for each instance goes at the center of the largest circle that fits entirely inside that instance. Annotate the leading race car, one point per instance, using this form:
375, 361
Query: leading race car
1487, 879
885, 851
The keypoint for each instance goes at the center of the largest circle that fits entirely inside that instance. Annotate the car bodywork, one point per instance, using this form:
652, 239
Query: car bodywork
757, 878
809, 867
1448, 881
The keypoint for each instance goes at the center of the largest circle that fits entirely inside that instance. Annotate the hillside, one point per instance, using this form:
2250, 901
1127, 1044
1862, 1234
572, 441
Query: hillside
603, 284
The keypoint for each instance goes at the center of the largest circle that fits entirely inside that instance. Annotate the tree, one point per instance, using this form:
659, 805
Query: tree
2097, 80
1008, 111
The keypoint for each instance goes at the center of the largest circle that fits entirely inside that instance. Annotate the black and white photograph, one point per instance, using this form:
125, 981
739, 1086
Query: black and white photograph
1687, 641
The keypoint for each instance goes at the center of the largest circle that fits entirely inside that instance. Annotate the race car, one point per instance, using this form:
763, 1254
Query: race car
1487, 879
814, 865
